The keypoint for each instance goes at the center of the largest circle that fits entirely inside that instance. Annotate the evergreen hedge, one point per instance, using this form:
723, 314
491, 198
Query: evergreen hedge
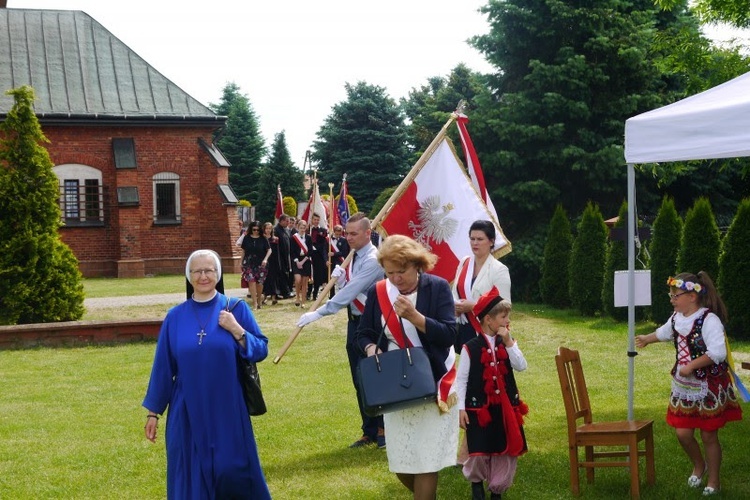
587, 262
701, 241
733, 268
554, 283
39, 277
666, 234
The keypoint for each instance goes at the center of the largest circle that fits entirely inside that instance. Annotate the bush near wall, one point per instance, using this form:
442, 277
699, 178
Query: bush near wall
733, 268
701, 241
666, 234
554, 283
587, 262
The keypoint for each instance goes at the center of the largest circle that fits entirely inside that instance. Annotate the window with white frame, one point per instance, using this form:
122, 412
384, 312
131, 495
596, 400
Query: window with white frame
81, 194
167, 198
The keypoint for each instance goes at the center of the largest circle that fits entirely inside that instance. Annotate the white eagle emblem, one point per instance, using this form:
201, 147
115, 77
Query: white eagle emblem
434, 223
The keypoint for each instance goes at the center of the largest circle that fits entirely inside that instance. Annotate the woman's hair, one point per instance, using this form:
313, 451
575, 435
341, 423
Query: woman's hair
486, 226
708, 296
204, 253
402, 251
302, 221
267, 225
252, 224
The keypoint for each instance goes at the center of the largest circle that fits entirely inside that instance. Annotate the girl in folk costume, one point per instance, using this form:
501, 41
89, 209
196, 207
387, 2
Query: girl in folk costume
477, 274
703, 394
491, 411
301, 249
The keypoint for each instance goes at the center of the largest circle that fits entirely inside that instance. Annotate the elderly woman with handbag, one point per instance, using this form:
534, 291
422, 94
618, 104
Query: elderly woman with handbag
211, 450
415, 310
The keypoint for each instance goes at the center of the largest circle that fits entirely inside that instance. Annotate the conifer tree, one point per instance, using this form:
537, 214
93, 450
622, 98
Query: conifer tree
587, 262
666, 234
701, 242
279, 171
554, 282
733, 271
39, 277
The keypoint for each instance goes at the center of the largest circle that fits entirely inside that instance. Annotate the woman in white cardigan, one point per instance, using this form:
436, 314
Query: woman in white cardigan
477, 274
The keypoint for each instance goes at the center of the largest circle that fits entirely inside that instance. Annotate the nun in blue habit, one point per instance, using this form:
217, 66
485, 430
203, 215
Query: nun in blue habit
211, 451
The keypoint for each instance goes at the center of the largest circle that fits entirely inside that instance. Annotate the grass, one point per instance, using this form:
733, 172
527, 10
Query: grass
71, 421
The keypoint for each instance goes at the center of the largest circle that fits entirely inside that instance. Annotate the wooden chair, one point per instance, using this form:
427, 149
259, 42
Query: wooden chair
588, 434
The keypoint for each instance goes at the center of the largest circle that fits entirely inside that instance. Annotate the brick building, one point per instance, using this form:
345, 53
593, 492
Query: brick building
141, 184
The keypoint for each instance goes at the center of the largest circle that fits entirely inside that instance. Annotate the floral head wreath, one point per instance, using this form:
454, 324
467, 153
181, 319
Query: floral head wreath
688, 286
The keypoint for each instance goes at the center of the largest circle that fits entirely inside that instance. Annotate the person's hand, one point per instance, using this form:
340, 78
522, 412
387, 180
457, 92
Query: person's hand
404, 308
463, 419
684, 371
152, 423
464, 306
504, 333
308, 318
229, 323
339, 274
640, 341
264, 263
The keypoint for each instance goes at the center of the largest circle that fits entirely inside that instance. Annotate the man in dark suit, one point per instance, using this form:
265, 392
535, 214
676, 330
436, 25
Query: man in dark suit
319, 236
285, 263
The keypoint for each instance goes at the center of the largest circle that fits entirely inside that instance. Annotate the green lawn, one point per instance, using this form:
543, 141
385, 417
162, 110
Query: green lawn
71, 421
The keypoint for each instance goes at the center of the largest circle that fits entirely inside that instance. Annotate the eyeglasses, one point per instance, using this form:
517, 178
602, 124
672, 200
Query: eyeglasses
255, 230
675, 295
210, 273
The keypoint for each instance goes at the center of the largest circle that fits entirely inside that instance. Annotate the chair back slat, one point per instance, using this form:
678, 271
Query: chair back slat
573, 386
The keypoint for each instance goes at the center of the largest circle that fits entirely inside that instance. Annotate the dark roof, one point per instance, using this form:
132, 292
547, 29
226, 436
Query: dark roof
81, 71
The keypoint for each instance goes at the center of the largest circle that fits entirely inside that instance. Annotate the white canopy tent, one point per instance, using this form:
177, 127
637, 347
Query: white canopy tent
712, 124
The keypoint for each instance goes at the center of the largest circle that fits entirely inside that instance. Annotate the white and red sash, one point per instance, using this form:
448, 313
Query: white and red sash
463, 288
300, 243
405, 334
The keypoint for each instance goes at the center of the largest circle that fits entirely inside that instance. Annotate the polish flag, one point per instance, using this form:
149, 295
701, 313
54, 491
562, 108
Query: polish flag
472, 164
279, 202
315, 206
437, 207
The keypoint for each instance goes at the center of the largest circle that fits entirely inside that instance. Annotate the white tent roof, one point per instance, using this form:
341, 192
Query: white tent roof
712, 124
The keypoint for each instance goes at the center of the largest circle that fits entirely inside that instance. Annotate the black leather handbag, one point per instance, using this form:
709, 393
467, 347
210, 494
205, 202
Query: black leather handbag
395, 380
249, 381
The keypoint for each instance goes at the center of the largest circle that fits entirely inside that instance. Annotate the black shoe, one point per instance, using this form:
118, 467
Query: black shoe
362, 442
477, 491
495, 496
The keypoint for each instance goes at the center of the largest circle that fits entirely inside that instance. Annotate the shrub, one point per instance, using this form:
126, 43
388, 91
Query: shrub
587, 262
733, 266
701, 243
39, 277
553, 285
666, 234
379, 202
290, 206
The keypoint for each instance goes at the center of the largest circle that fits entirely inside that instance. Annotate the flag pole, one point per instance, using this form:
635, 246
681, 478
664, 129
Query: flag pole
330, 229
383, 212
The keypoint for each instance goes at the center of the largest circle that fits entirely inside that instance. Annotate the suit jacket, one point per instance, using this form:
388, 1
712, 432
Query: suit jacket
435, 302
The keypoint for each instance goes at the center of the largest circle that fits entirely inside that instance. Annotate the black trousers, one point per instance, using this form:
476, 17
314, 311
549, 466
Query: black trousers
370, 425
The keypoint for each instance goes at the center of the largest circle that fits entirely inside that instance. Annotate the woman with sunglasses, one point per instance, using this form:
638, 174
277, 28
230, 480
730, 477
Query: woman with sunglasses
255, 262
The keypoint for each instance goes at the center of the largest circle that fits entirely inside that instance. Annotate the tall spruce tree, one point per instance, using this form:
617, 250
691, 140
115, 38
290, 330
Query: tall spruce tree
365, 138
733, 266
278, 171
587, 262
39, 277
241, 142
666, 234
555, 277
701, 241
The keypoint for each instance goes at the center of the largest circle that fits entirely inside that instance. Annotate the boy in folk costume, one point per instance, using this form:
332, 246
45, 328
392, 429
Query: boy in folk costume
491, 411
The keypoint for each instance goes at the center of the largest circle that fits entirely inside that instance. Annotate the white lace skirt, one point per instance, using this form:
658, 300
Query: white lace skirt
421, 439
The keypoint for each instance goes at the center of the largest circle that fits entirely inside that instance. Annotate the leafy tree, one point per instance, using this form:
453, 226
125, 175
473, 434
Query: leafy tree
555, 278
428, 107
666, 234
279, 170
587, 262
364, 137
734, 12
733, 266
241, 141
381, 200
701, 241
39, 277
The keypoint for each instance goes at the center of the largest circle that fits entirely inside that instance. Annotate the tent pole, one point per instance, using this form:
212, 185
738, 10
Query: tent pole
631, 286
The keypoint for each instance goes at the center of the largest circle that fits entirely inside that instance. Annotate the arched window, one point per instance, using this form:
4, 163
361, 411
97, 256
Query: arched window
167, 198
81, 194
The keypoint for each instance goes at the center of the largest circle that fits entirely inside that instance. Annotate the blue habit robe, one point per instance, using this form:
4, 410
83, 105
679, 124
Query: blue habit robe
211, 451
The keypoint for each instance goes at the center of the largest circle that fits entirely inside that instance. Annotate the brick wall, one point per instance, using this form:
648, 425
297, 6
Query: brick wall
130, 244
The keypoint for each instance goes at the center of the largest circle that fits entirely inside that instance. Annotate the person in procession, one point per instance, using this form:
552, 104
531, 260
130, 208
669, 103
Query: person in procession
269, 286
211, 449
339, 249
255, 262
354, 281
283, 257
490, 408
301, 249
413, 308
319, 236
703, 395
